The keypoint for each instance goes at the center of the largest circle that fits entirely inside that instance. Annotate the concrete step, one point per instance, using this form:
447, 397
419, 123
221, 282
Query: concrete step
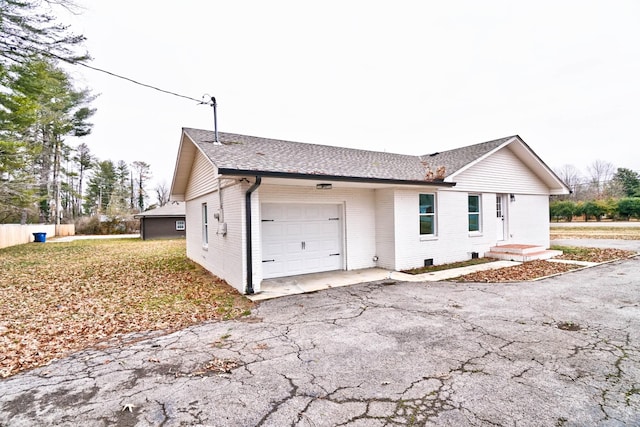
520, 257
517, 249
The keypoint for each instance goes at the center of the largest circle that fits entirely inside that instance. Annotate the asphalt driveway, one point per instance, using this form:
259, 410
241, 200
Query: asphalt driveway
563, 351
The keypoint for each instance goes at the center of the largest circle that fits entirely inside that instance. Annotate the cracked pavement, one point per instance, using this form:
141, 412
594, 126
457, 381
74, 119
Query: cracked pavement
564, 351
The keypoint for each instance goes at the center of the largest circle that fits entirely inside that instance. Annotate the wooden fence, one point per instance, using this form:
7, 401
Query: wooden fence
16, 234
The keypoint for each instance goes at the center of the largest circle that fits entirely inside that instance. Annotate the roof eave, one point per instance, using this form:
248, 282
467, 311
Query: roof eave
292, 175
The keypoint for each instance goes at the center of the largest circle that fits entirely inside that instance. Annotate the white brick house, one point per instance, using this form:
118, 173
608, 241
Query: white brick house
258, 208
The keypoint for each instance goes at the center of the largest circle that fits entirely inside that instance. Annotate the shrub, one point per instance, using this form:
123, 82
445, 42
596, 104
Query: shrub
88, 225
562, 209
629, 207
594, 209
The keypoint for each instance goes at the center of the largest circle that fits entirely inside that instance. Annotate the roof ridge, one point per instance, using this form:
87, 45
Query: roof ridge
307, 144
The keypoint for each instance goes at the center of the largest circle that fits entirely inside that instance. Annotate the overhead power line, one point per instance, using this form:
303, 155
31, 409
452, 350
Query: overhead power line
135, 81
110, 73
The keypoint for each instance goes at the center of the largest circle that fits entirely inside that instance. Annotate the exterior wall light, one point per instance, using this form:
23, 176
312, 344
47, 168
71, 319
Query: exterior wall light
512, 197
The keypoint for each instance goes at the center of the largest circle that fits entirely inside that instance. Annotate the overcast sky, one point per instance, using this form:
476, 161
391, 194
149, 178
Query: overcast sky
411, 77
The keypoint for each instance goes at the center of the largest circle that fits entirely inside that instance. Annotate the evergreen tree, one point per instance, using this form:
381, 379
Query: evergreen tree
100, 188
142, 176
27, 28
629, 181
41, 108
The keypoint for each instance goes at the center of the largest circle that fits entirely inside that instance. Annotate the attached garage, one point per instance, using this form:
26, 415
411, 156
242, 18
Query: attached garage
301, 238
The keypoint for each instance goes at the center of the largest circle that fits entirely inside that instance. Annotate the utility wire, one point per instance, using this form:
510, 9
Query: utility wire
134, 81
77, 62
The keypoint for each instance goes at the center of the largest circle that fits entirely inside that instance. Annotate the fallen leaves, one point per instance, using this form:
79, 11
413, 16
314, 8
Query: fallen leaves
540, 268
62, 297
218, 366
525, 271
592, 254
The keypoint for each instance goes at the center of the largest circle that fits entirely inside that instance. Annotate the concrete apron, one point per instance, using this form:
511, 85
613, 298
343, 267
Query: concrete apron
306, 283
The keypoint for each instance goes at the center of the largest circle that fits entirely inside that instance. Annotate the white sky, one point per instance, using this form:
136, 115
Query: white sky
410, 77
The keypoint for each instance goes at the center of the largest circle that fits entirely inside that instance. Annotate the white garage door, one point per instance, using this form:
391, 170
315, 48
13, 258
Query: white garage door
300, 239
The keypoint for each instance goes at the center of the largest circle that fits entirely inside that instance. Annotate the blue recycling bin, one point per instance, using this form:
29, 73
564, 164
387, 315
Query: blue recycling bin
39, 237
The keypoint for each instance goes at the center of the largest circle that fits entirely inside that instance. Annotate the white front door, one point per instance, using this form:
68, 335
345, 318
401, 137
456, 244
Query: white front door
500, 216
300, 239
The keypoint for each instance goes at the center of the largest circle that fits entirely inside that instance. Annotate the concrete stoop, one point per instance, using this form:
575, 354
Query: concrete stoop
521, 253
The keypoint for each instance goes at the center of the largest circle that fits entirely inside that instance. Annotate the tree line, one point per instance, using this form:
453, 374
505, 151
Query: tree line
43, 177
606, 191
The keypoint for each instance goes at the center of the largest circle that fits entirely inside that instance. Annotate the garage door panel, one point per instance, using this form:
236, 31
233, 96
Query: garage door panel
300, 238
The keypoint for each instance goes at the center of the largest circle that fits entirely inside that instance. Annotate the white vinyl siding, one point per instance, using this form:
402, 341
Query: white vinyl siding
502, 172
202, 179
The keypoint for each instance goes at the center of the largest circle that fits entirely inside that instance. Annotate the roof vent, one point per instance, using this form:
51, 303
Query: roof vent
211, 100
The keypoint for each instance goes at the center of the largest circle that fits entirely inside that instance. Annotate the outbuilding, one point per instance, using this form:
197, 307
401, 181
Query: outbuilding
165, 222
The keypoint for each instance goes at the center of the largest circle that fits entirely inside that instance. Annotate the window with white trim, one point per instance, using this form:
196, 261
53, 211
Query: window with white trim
474, 213
205, 226
427, 214
180, 225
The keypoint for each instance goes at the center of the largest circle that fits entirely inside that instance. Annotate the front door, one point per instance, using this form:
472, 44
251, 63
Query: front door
500, 217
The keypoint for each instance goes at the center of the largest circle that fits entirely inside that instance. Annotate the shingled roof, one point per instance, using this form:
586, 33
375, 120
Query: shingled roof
171, 209
243, 153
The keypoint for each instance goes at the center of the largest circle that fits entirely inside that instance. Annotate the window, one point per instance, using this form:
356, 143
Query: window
474, 212
205, 226
427, 214
180, 225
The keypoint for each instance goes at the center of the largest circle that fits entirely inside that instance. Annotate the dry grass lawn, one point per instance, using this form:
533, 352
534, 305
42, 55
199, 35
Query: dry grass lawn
595, 232
56, 298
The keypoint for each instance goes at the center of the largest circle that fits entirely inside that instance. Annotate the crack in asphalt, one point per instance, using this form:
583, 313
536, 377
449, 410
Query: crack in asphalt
302, 363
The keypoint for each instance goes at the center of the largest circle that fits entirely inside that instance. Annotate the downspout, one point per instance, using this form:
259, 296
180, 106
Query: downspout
221, 218
247, 204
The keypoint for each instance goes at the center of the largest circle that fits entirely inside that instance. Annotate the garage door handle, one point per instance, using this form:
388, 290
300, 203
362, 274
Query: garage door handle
268, 260
334, 254
303, 245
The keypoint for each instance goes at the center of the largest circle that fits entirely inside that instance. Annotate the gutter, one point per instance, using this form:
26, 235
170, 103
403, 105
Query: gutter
247, 205
318, 177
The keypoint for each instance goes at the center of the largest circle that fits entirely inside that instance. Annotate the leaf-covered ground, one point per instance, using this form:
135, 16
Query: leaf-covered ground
525, 271
56, 298
537, 269
595, 232
591, 254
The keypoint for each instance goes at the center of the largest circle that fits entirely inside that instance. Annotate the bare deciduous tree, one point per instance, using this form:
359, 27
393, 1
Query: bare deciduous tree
571, 176
162, 193
600, 173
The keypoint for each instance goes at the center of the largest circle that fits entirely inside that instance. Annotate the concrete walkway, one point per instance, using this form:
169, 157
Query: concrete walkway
306, 283
92, 236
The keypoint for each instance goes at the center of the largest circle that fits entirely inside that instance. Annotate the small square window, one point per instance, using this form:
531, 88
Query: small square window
180, 225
